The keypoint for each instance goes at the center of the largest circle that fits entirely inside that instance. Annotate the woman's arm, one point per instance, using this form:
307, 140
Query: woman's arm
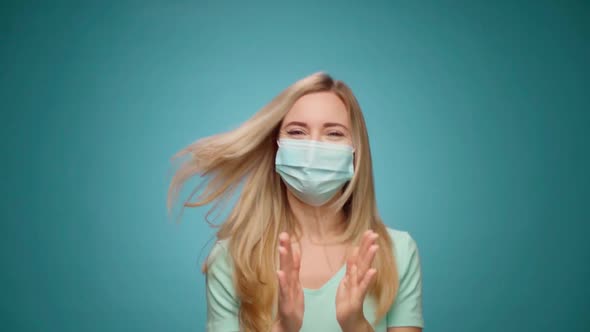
291, 304
353, 288
361, 326
222, 303
406, 313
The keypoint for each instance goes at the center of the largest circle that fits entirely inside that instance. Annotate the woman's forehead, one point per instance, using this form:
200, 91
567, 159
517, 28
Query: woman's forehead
318, 108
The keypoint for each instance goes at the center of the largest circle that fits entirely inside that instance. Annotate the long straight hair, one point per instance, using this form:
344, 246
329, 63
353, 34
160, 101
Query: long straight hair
245, 156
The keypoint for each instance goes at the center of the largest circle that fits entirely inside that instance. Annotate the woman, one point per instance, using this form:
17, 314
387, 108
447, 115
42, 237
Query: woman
304, 248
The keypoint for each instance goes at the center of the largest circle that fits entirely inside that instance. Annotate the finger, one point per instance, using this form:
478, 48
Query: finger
365, 242
367, 279
284, 250
296, 261
352, 259
354, 276
346, 282
284, 263
282, 283
363, 246
343, 289
365, 260
292, 274
287, 245
295, 267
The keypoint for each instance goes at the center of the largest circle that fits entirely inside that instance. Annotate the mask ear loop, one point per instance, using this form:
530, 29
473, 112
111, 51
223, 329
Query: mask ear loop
353, 156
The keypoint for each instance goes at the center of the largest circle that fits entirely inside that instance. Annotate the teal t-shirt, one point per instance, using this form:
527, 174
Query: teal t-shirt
320, 306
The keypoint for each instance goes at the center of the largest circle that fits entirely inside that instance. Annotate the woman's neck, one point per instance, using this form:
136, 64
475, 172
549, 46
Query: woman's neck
318, 224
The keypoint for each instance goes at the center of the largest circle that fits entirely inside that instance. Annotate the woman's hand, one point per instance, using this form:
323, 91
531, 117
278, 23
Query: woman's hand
291, 303
353, 287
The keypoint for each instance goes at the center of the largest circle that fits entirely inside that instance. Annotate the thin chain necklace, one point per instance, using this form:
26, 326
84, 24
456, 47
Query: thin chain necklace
342, 260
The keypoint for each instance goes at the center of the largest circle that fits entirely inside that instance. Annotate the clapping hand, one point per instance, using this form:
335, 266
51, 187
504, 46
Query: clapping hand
353, 287
291, 305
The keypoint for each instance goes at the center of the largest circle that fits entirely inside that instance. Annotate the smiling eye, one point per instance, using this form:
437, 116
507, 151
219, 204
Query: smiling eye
335, 133
295, 132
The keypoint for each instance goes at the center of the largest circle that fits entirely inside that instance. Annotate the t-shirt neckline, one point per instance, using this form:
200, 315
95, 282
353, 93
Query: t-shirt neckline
335, 278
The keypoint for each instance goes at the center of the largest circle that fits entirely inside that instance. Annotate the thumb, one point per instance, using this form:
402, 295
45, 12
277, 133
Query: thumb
342, 287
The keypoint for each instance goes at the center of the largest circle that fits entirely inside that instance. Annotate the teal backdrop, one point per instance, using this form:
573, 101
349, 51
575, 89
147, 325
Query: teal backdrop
478, 122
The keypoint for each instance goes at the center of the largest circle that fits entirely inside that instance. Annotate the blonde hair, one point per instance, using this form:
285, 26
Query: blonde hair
245, 156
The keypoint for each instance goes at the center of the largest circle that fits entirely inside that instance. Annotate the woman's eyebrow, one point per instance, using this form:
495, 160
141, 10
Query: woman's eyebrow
334, 124
296, 123
326, 125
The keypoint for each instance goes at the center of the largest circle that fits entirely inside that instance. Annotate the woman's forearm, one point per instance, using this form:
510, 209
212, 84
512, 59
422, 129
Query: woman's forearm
359, 326
277, 327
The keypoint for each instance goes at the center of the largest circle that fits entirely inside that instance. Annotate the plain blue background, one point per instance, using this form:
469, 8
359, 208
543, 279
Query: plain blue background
478, 121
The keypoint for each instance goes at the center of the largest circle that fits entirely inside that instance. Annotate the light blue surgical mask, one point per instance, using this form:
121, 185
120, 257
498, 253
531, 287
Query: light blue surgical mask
314, 171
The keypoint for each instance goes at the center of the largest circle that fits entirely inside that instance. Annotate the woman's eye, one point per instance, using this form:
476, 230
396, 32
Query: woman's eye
336, 133
295, 132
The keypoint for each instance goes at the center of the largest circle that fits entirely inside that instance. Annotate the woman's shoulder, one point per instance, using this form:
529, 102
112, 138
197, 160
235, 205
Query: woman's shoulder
404, 245
400, 236
219, 254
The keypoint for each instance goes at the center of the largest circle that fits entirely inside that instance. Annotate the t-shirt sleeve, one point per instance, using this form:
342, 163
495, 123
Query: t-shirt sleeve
407, 307
222, 303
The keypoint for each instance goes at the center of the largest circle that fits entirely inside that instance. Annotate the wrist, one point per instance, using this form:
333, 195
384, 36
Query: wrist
277, 326
356, 324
